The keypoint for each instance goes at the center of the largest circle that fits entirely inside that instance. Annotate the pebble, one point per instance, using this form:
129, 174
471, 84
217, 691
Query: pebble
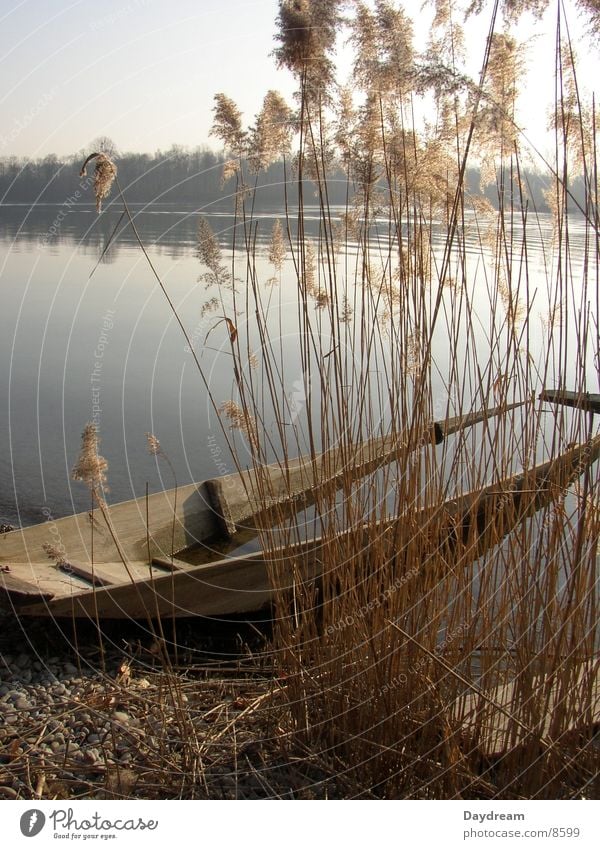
71, 725
54, 695
92, 755
8, 793
12, 696
121, 717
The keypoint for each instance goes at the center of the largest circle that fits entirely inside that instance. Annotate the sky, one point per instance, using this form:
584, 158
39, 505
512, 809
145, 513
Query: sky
144, 72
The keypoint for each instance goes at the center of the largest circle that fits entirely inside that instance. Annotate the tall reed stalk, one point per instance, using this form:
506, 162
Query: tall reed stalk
415, 302
430, 653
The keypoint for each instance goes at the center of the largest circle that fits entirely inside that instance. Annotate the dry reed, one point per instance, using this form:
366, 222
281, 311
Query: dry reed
396, 655
435, 645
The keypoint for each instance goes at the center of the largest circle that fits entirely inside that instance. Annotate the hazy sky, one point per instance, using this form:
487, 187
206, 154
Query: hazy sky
144, 72
141, 71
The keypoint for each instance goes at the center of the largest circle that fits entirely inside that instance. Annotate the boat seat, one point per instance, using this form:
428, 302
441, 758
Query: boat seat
109, 574
20, 590
173, 565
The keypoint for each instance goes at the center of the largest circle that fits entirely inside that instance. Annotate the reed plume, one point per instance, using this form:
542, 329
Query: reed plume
277, 248
270, 138
56, 553
306, 32
105, 173
227, 125
209, 253
240, 419
91, 467
154, 447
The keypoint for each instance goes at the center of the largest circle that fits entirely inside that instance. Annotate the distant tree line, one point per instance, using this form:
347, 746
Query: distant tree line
180, 175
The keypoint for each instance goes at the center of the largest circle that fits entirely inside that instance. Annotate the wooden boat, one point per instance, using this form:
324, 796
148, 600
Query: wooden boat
139, 577
580, 400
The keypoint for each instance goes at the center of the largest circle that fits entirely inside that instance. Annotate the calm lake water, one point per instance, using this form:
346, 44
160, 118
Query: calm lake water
75, 349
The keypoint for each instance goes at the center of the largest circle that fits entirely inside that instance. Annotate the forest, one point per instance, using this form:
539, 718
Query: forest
194, 176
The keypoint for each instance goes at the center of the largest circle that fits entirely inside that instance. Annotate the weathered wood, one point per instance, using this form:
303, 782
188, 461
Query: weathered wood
171, 565
527, 492
580, 400
90, 573
286, 489
194, 521
18, 591
550, 705
61, 582
108, 574
233, 586
467, 525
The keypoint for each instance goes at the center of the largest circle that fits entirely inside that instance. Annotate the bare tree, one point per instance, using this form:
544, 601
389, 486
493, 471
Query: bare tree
104, 144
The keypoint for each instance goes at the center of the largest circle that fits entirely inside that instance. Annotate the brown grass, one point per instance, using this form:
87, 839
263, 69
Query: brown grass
410, 628
413, 304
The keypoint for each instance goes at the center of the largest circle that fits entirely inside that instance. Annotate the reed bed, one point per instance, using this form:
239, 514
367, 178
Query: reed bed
432, 653
416, 302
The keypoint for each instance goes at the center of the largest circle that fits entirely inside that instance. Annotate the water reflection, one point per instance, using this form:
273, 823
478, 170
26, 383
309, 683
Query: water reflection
108, 349
170, 229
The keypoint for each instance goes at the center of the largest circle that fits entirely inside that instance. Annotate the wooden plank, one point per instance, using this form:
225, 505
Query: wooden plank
171, 565
446, 427
218, 589
551, 705
580, 400
48, 579
18, 591
108, 574
90, 573
63, 583
115, 574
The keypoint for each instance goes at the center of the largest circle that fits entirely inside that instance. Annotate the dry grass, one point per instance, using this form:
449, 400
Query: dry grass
412, 304
410, 625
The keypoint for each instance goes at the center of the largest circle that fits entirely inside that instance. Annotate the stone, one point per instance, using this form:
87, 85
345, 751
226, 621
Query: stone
121, 717
7, 793
92, 755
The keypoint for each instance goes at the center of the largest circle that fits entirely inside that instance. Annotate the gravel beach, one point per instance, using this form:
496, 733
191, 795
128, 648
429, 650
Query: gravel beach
76, 724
